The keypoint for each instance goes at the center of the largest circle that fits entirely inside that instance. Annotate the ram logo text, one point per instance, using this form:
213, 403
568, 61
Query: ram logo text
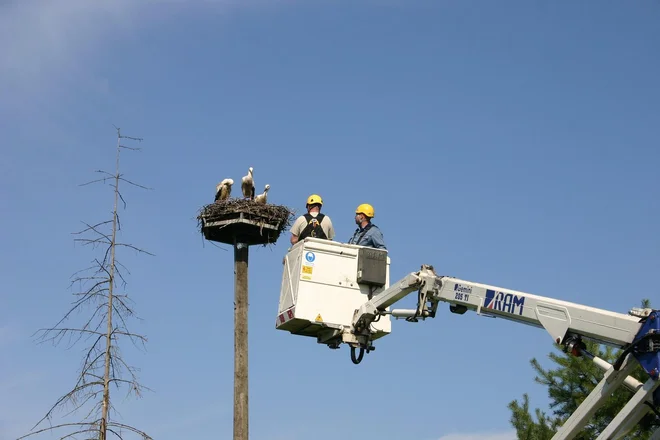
504, 302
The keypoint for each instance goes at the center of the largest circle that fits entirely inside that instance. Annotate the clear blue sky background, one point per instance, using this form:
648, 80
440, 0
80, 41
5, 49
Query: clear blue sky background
513, 143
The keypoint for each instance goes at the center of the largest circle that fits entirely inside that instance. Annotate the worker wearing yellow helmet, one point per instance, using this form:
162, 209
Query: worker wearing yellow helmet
313, 224
367, 234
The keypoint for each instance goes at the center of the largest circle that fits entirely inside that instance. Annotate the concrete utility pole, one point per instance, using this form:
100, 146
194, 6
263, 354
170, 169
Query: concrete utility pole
241, 422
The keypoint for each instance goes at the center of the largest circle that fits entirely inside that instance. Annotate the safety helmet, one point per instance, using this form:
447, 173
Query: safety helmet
314, 199
365, 209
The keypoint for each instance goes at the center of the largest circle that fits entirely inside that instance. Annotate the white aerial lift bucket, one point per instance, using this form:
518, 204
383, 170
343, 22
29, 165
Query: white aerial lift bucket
325, 282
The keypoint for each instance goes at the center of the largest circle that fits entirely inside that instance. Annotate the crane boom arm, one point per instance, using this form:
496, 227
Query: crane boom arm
636, 334
559, 318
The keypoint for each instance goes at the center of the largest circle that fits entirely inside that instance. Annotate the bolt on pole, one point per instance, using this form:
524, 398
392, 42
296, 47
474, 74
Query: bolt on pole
241, 424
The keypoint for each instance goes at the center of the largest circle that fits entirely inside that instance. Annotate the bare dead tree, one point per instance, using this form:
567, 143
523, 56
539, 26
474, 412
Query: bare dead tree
106, 313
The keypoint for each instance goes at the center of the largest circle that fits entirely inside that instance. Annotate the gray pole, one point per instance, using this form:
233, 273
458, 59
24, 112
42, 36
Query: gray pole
241, 341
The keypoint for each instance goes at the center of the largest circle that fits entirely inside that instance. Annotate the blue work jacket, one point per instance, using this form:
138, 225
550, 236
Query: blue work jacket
373, 237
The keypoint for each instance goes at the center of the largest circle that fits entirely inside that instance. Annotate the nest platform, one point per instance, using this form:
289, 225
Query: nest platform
243, 221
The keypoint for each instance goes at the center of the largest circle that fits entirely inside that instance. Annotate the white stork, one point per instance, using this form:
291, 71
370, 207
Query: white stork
247, 185
223, 189
261, 198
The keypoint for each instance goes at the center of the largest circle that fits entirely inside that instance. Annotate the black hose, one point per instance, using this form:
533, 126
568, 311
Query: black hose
653, 408
622, 357
629, 350
360, 356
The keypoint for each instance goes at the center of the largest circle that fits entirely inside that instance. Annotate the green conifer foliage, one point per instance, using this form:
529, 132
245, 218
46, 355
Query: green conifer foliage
569, 382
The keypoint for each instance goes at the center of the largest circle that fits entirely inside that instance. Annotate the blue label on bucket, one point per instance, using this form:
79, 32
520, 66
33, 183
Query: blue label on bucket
309, 256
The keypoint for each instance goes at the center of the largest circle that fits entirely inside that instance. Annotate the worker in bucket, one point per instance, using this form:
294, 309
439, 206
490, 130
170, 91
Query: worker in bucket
367, 234
313, 224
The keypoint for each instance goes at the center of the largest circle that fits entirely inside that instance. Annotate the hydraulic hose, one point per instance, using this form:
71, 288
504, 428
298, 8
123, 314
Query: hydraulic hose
359, 357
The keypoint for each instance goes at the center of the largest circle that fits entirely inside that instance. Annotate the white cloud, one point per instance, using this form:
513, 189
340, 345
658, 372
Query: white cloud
47, 48
41, 37
508, 435
46, 44
38, 37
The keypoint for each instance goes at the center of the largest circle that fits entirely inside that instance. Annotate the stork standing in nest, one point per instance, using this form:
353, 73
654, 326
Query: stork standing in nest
261, 198
247, 185
223, 189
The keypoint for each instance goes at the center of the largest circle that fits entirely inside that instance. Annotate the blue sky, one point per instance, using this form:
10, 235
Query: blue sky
512, 143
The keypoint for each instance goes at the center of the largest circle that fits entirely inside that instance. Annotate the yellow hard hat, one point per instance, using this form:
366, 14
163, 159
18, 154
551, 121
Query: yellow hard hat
314, 199
365, 209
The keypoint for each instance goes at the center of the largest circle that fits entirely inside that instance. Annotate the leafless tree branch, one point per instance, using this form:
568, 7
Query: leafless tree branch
124, 202
135, 184
102, 179
103, 367
132, 429
50, 428
135, 248
121, 136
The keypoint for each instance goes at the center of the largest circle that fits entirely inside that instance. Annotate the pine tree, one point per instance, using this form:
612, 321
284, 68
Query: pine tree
568, 384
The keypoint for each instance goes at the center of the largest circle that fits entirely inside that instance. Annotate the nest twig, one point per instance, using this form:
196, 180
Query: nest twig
276, 215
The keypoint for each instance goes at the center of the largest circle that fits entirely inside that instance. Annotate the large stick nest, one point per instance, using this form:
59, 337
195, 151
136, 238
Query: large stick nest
275, 215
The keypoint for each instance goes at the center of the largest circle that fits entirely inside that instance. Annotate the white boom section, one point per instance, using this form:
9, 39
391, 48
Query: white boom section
559, 318
629, 409
566, 323
556, 316
610, 382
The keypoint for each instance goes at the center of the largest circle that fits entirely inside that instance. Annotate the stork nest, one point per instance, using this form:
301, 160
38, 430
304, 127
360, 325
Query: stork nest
278, 216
